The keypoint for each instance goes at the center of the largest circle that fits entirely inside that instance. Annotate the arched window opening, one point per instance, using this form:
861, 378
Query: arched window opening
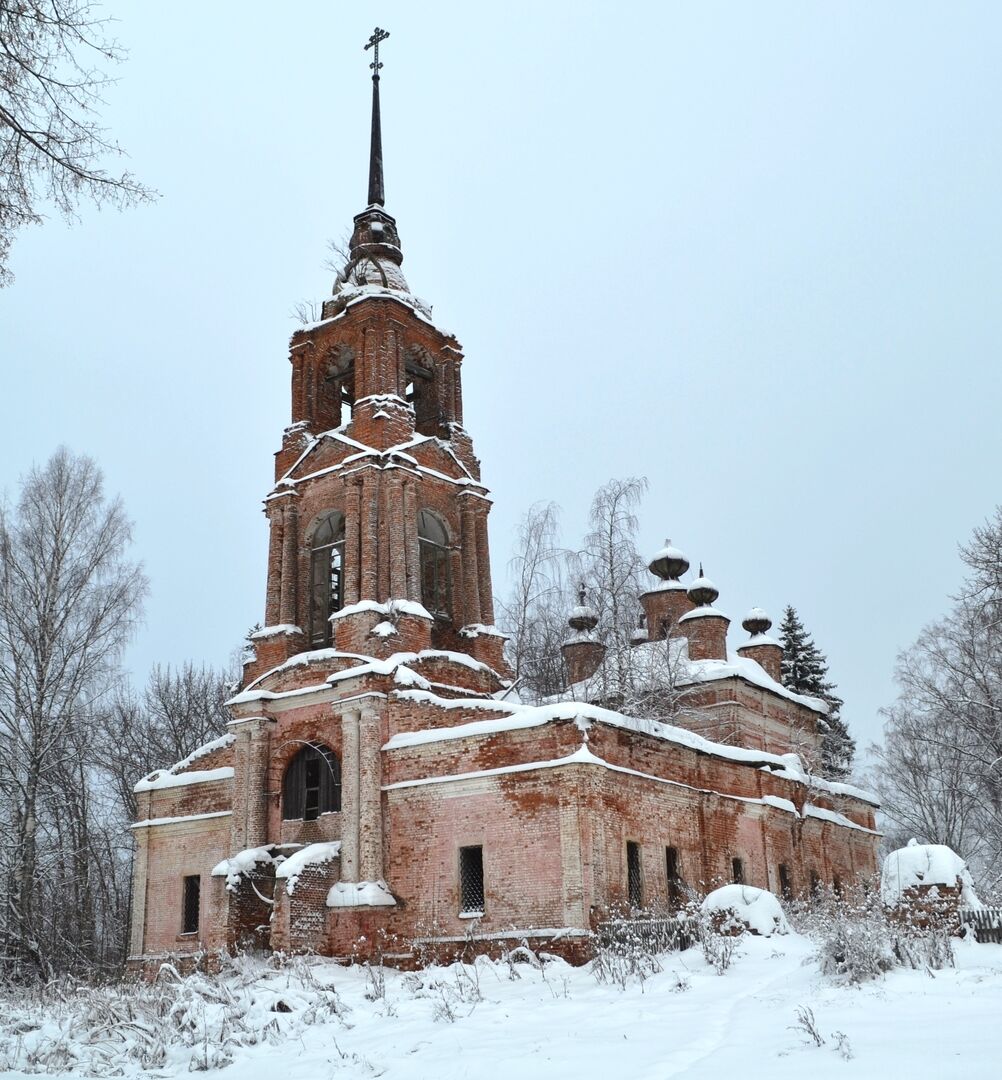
326, 577
738, 871
312, 784
420, 390
340, 379
433, 543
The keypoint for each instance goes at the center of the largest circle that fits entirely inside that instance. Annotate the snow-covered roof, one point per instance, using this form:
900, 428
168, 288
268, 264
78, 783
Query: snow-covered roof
361, 665
164, 778
667, 662
925, 864
787, 766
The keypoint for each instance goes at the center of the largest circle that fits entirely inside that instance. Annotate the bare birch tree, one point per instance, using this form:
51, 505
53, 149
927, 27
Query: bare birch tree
940, 769
69, 601
51, 143
179, 710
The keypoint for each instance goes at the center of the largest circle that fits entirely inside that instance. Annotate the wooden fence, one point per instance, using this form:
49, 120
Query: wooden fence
985, 922
652, 935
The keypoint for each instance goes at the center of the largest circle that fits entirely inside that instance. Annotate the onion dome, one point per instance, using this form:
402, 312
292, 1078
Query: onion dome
702, 592
757, 622
669, 563
639, 636
583, 618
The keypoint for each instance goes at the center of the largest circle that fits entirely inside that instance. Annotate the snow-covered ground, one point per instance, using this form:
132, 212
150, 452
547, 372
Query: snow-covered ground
521, 1021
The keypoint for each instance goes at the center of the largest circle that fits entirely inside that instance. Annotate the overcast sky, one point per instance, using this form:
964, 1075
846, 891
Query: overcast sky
750, 251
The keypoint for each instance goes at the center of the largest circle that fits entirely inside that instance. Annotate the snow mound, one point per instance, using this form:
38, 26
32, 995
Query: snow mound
311, 855
749, 908
926, 864
243, 863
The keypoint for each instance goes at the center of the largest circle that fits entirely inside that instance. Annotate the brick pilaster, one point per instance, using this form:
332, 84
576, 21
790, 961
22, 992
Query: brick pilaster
370, 818
485, 589
349, 796
394, 538
471, 575
352, 546
272, 603
370, 530
290, 564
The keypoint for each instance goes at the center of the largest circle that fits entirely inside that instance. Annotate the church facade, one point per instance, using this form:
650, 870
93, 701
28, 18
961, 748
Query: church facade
379, 785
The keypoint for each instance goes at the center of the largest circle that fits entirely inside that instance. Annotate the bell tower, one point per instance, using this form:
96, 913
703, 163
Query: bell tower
378, 516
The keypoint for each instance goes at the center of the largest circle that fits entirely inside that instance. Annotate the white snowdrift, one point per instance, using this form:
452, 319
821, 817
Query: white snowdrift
754, 909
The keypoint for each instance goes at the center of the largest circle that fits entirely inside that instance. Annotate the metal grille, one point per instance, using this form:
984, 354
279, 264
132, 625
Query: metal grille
657, 935
634, 880
471, 880
189, 916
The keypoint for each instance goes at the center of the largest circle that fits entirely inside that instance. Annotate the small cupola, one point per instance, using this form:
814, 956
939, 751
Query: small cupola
705, 626
582, 651
666, 602
764, 650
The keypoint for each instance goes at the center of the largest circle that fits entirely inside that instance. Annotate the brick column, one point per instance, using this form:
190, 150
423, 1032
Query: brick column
369, 540
412, 554
272, 603
370, 778
352, 551
251, 753
290, 565
471, 576
349, 796
394, 537
485, 589
137, 915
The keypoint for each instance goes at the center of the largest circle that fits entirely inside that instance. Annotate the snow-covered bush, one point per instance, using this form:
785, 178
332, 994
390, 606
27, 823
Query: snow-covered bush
736, 908
860, 938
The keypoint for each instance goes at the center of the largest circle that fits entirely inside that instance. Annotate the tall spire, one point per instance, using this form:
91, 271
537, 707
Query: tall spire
376, 196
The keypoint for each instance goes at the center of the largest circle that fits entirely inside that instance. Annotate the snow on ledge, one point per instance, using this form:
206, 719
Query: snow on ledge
390, 610
158, 781
353, 894
160, 778
180, 820
274, 631
704, 612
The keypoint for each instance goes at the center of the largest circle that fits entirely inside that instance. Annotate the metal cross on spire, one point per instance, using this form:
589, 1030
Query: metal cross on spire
373, 43
376, 142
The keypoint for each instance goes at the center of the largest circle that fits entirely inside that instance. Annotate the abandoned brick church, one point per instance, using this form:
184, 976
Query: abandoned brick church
378, 774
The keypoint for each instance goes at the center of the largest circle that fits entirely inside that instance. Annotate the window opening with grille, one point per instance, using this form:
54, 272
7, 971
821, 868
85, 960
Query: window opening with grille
471, 881
326, 577
191, 904
634, 879
674, 870
738, 871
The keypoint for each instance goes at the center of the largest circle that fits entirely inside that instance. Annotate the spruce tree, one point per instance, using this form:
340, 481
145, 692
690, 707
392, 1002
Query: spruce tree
805, 671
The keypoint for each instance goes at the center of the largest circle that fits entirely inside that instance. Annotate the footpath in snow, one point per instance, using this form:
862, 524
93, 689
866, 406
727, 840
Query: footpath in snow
315, 1019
